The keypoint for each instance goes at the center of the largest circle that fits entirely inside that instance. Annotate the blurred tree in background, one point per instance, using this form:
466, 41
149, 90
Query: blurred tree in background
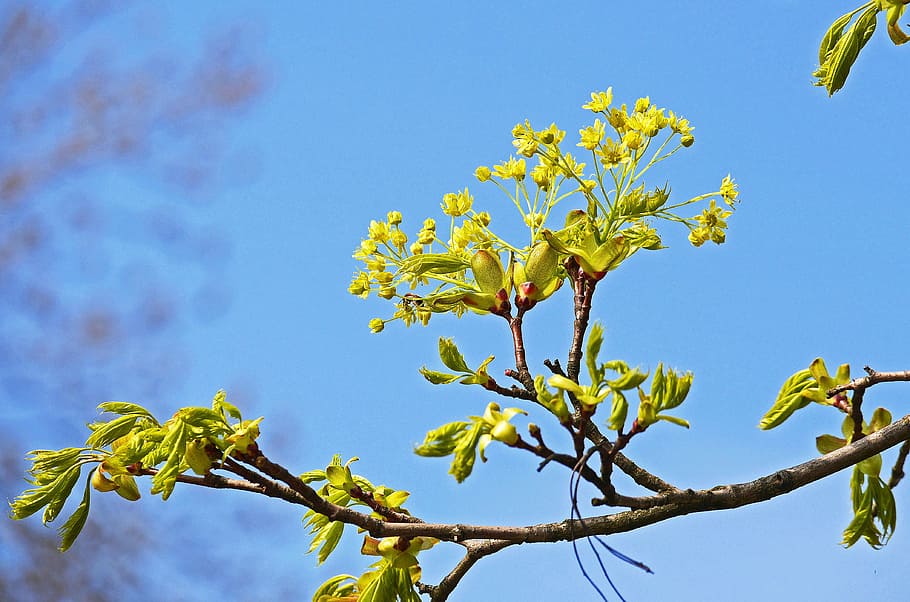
80, 111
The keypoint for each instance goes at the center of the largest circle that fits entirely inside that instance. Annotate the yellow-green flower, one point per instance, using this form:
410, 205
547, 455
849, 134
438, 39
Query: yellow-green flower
394, 218
613, 154
399, 239
729, 190
711, 225
482, 173
457, 203
376, 325
551, 135
592, 135
526, 146
618, 119
510, 169
379, 231
632, 140
600, 101
543, 176
360, 285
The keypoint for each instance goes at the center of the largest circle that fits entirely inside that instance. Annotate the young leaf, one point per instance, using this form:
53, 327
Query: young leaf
59, 491
791, 398
825, 444
846, 50
834, 34
595, 340
438, 378
451, 357
105, 433
73, 525
442, 441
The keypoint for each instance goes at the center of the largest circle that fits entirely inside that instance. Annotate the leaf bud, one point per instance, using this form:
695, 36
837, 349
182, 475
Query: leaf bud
488, 271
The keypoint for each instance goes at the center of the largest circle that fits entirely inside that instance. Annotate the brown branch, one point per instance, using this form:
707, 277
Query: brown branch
897, 472
521, 373
671, 505
513, 391
874, 377
584, 291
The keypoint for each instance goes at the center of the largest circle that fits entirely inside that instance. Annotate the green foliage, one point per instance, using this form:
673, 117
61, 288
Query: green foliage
463, 269
874, 513
668, 390
802, 388
839, 49
453, 360
130, 444
390, 578
464, 440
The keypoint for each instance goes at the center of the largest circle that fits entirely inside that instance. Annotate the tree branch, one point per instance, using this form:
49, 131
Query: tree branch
897, 472
874, 377
584, 291
670, 505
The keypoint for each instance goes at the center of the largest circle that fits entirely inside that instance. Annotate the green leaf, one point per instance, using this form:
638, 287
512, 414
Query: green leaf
629, 380
125, 408
329, 537
871, 467
861, 525
595, 340
221, 405
834, 34
397, 499
174, 443
825, 444
451, 357
434, 263
618, 412
790, 398
466, 453
59, 491
381, 588
106, 433
336, 587
442, 441
312, 476
673, 419
880, 419
846, 50
70, 530
439, 378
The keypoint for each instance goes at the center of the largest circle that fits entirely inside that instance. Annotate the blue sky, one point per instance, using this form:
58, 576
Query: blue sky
376, 108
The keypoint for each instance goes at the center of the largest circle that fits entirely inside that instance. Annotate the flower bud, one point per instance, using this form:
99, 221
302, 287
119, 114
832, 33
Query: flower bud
376, 325
482, 173
482, 218
394, 218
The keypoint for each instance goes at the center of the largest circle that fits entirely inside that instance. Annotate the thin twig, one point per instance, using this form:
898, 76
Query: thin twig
897, 472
